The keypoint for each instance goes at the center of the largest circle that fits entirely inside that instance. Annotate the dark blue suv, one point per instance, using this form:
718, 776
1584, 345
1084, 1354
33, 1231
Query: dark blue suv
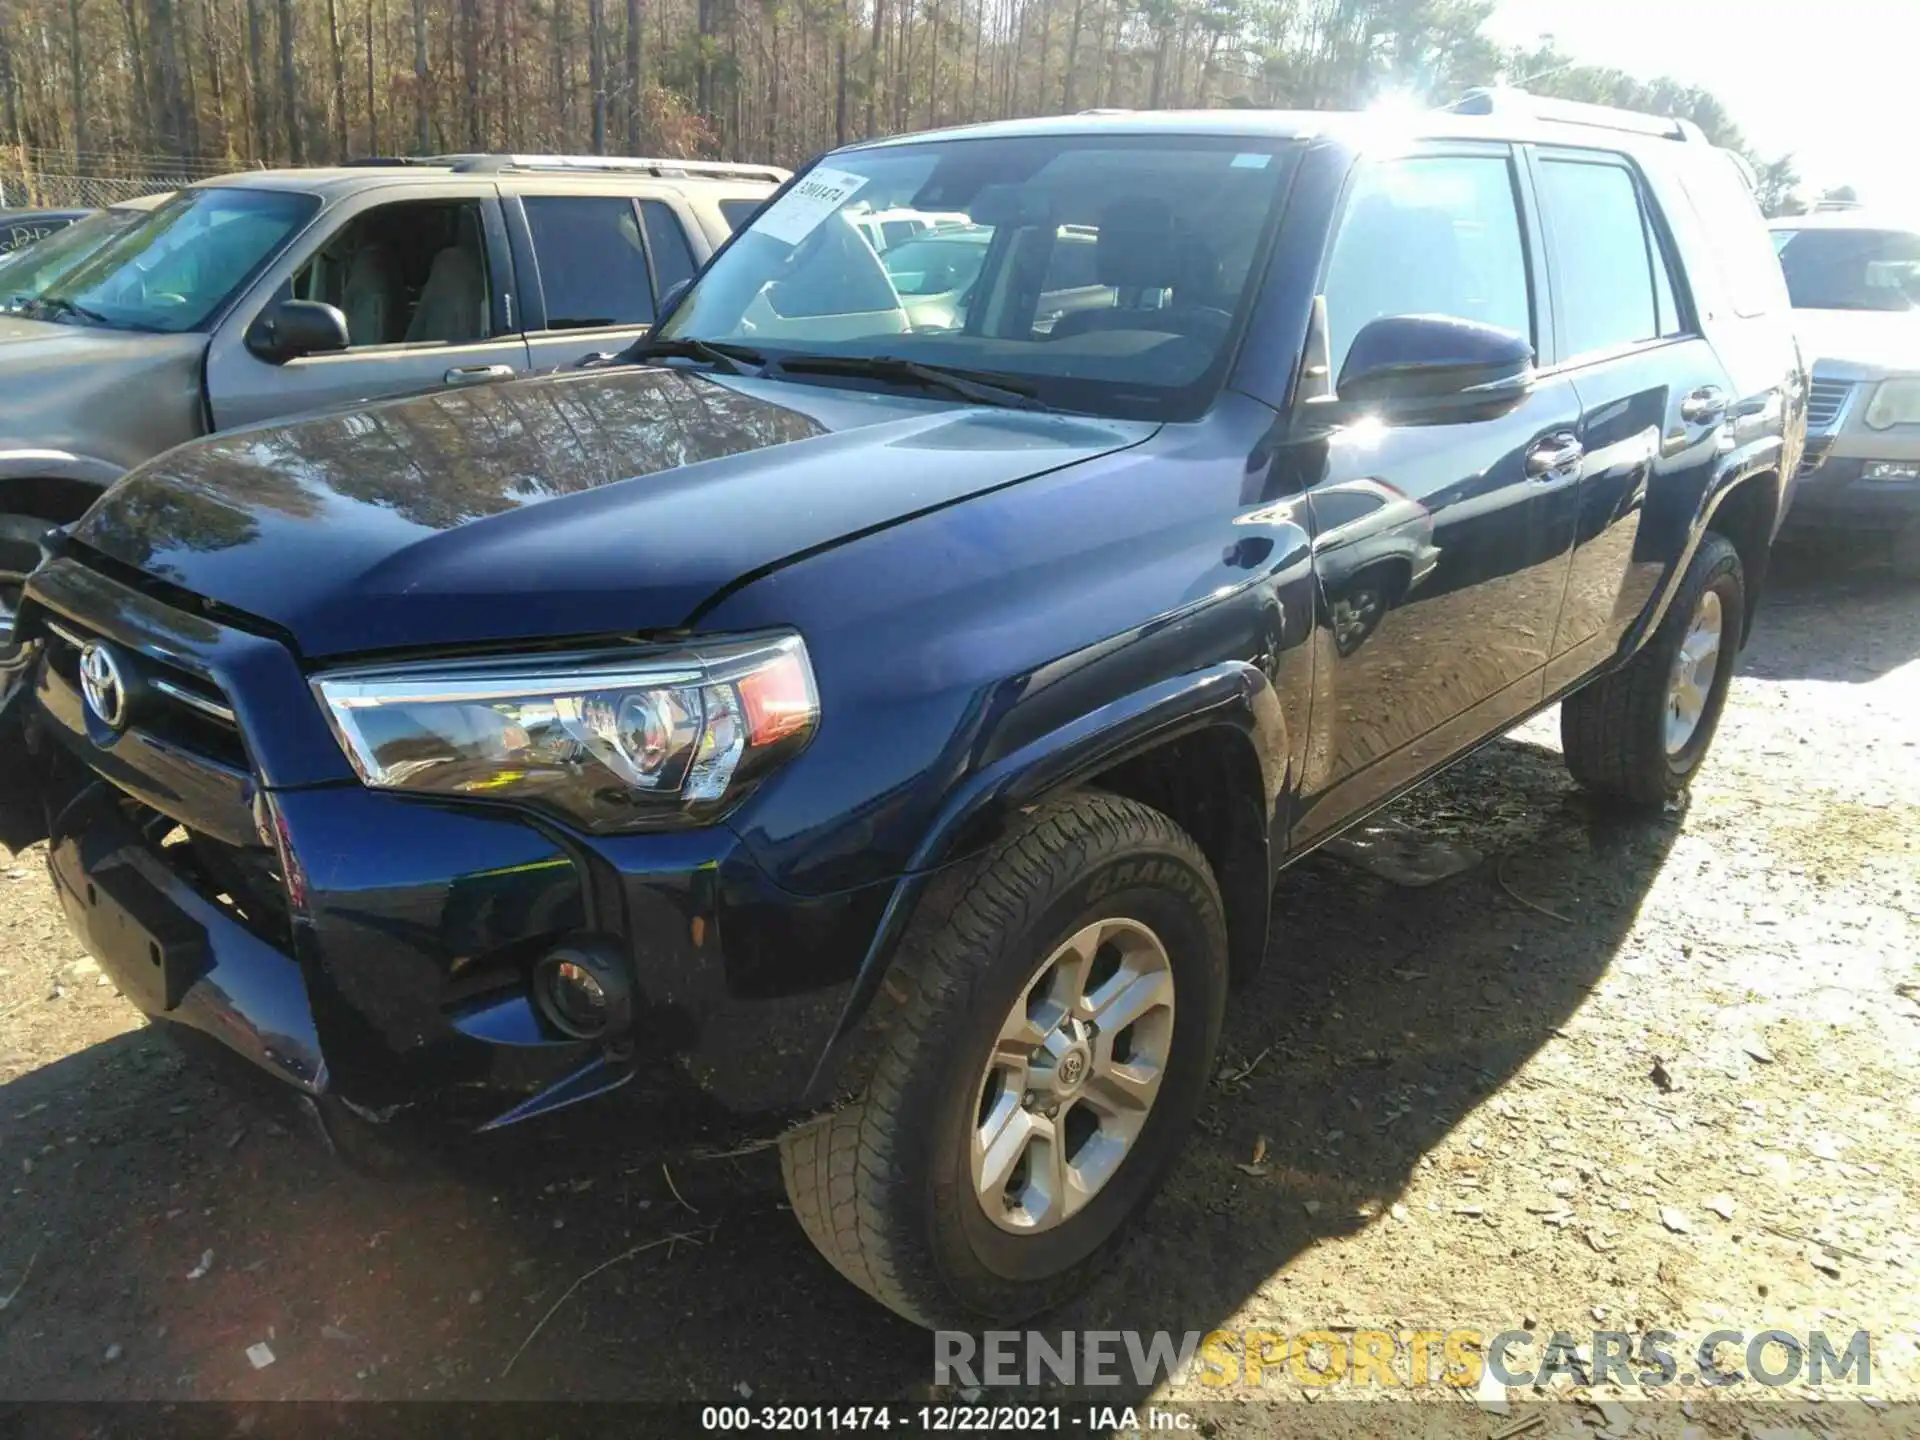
890, 729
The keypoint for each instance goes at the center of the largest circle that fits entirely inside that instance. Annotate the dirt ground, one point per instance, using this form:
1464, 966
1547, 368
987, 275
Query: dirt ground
1646, 1074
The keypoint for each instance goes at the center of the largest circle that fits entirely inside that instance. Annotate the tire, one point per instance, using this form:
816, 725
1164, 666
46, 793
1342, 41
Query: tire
885, 1186
1614, 731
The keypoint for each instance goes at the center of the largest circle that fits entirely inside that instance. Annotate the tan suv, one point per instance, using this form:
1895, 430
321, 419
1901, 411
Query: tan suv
265, 294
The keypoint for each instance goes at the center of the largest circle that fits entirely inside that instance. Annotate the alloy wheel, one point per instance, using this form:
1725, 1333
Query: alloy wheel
1073, 1075
1690, 682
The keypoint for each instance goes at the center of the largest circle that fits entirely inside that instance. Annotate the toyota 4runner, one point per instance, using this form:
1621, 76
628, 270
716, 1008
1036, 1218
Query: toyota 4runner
892, 731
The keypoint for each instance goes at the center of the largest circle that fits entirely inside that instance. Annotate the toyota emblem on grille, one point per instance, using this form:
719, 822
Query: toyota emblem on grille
103, 685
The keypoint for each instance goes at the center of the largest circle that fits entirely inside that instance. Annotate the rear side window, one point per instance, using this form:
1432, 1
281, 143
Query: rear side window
1428, 235
1736, 234
593, 268
672, 258
739, 212
1603, 265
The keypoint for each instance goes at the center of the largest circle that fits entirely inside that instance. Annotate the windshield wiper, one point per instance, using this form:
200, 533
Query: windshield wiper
734, 359
962, 384
51, 305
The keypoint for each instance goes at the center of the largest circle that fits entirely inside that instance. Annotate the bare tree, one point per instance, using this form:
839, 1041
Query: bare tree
290, 87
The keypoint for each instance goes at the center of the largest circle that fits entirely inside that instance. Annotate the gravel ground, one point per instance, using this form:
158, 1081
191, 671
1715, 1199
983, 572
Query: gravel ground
1614, 1074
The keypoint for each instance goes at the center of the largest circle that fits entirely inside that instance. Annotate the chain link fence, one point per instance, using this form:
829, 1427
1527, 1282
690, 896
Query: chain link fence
41, 191
52, 180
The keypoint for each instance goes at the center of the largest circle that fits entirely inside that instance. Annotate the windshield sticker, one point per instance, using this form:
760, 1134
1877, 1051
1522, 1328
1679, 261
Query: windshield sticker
1251, 162
800, 211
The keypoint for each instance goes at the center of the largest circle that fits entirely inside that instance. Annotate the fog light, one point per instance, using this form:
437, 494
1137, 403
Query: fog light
1891, 470
583, 993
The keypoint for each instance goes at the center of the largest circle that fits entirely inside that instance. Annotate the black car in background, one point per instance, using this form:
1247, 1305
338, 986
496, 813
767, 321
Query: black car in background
886, 732
21, 228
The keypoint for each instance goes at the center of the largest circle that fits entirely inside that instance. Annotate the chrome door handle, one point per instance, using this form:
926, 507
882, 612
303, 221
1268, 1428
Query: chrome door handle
598, 357
1553, 456
476, 374
1705, 406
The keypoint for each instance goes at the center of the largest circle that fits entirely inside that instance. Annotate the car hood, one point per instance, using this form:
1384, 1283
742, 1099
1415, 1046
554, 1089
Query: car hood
1859, 344
605, 502
67, 388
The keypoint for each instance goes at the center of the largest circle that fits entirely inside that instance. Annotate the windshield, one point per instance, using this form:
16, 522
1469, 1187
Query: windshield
175, 267
25, 273
1851, 269
935, 267
1105, 273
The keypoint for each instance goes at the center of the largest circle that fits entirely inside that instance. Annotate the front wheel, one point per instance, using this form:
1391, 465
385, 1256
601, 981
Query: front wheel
1054, 1018
1637, 735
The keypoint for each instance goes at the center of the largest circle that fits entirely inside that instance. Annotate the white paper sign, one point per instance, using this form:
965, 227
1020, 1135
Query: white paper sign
801, 210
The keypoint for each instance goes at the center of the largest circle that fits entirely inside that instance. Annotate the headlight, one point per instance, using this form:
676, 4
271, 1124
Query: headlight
1895, 402
611, 741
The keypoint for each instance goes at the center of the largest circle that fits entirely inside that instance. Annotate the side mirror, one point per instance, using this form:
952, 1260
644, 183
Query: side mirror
293, 328
1433, 370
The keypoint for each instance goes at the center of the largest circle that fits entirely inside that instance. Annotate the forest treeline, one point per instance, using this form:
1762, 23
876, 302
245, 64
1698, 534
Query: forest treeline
144, 87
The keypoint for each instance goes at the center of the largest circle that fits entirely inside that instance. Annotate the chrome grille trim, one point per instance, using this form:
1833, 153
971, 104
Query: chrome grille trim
1826, 403
198, 702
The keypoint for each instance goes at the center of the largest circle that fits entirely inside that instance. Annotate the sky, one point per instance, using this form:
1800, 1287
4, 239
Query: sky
1833, 81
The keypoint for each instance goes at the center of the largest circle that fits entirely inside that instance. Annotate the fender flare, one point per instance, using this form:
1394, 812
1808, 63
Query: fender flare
1231, 694
1758, 465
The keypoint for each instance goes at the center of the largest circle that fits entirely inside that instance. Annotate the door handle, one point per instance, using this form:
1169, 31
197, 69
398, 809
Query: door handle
476, 374
1705, 406
1552, 457
598, 357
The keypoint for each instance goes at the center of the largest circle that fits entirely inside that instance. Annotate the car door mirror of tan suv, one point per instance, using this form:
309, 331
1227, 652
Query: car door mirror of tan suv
293, 328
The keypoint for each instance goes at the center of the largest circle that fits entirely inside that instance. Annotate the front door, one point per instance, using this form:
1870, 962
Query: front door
1441, 549
425, 282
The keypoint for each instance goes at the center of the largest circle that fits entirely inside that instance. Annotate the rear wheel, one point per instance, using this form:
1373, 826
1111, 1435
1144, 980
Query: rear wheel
1055, 1017
1637, 735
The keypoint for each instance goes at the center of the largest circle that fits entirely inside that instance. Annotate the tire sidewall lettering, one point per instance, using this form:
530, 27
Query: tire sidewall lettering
1150, 872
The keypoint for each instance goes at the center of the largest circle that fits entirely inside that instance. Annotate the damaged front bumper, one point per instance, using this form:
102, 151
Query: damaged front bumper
377, 949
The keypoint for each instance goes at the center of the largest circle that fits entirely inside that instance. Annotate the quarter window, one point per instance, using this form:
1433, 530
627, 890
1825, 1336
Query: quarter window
1428, 235
672, 259
1603, 268
1736, 234
593, 265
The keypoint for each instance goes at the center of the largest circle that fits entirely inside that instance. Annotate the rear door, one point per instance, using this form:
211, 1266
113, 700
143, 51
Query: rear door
1653, 395
424, 276
594, 268
1441, 549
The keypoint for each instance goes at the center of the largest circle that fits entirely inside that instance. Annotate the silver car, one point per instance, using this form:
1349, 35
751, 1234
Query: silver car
1855, 284
270, 293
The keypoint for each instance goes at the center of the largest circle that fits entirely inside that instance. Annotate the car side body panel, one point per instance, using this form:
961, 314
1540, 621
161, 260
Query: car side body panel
66, 413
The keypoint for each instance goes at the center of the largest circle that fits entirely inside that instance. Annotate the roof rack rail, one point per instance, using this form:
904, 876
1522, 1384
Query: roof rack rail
1821, 207
612, 165
1507, 100
378, 162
